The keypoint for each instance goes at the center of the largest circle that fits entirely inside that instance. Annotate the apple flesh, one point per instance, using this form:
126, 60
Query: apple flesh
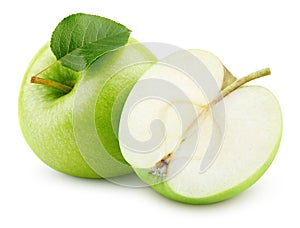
53, 121
250, 139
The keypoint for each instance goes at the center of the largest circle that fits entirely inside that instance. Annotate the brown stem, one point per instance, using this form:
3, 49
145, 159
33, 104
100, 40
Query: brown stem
42, 81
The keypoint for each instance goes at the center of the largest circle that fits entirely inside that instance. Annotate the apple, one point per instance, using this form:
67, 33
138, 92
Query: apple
56, 107
211, 145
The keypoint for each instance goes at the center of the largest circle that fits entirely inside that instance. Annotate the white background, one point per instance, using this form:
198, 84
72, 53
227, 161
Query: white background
246, 35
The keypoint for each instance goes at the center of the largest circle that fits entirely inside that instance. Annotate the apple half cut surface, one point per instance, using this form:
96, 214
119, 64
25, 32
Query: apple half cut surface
194, 146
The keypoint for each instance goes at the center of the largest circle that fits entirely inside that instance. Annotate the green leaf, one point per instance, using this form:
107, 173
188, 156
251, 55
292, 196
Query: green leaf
80, 39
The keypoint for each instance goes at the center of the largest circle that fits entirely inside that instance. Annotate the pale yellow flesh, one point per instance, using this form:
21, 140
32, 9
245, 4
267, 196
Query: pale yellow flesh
252, 129
143, 113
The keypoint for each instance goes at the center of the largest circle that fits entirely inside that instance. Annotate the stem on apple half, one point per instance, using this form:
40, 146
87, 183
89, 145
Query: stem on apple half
233, 86
42, 81
238, 83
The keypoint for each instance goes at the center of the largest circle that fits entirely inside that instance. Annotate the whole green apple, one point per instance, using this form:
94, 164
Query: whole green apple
55, 121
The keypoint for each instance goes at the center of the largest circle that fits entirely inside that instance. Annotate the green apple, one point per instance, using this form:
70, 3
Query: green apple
54, 116
211, 155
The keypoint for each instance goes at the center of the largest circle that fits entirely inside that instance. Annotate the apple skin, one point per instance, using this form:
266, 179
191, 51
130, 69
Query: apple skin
46, 115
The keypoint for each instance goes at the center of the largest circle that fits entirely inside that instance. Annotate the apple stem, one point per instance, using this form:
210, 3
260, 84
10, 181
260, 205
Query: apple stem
238, 83
53, 84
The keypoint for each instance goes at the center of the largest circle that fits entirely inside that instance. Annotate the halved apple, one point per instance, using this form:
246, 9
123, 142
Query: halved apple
195, 147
